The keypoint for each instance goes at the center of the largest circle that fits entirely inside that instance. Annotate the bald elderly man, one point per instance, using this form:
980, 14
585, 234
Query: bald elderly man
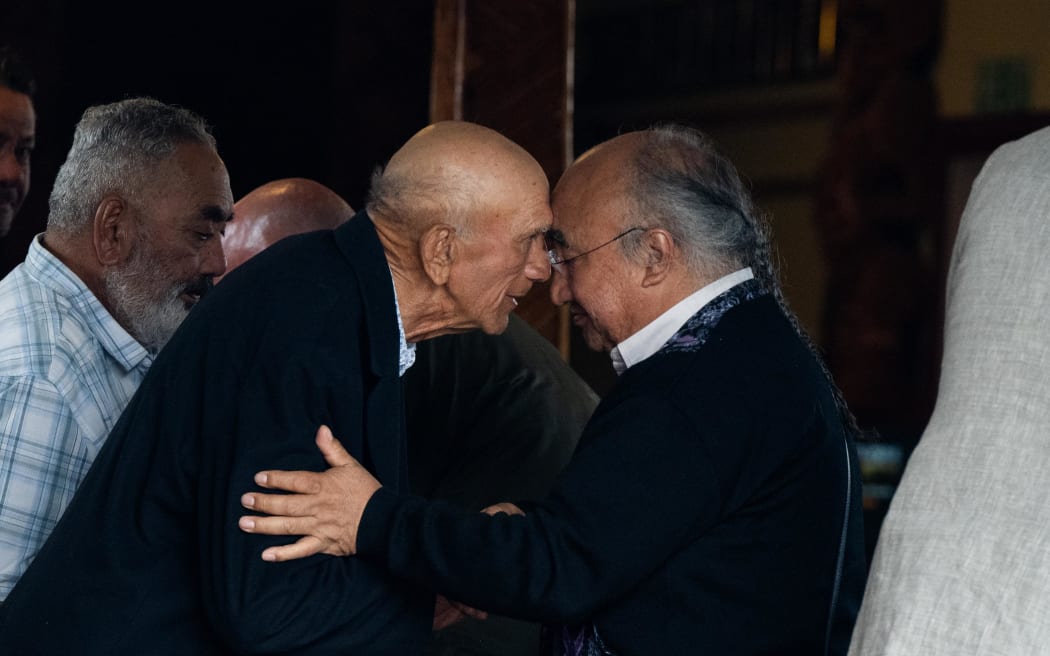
489, 417
280, 209
316, 330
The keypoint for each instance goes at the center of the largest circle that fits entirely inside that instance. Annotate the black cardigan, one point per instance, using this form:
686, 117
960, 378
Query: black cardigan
701, 514
148, 559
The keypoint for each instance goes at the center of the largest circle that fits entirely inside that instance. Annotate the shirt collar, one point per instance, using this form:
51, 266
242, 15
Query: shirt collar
654, 335
407, 351
43, 265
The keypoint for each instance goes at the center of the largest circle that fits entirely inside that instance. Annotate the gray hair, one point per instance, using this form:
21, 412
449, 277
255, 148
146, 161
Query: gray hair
416, 202
115, 150
681, 183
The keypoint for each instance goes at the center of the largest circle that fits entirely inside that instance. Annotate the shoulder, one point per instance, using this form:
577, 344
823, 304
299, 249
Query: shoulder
754, 370
1030, 155
44, 334
295, 305
299, 280
750, 339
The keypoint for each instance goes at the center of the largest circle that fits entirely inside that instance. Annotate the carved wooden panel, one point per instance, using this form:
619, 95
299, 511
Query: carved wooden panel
877, 213
508, 65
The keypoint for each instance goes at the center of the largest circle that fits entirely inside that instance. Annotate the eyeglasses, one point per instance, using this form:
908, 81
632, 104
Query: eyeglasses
555, 240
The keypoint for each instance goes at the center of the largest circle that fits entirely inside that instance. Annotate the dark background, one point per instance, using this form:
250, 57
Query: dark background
323, 90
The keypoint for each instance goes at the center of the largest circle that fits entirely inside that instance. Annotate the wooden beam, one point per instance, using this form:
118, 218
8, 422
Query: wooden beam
508, 65
446, 80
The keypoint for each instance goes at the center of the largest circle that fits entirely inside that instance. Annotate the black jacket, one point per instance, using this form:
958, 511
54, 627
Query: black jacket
702, 513
148, 558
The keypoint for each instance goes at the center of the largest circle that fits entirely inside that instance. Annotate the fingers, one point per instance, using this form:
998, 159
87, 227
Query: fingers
307, 546
469, 611
448, 612
304, 482
277, 525
332, 450
279, 504
504, 507
445, 614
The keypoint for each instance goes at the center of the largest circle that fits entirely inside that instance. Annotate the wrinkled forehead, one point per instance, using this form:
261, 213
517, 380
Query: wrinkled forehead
193, 180
206, 172
513, 223
515, 203
588, 203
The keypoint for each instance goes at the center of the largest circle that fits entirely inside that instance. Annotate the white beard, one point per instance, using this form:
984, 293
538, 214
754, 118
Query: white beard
150, 316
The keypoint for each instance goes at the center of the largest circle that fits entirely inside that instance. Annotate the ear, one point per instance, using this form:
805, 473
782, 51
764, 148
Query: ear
437, 251
113, 231
659, 251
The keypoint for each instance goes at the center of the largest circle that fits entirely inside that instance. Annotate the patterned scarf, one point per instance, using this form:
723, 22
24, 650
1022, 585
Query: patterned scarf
691, 336
578, 640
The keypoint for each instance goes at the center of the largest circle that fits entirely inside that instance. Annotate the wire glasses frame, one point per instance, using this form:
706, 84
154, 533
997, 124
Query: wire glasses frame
558, 264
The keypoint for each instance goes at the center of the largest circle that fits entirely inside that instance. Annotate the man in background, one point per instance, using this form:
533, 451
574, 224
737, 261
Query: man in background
17, 135
277, 210
961, 564
132, 242
489, 417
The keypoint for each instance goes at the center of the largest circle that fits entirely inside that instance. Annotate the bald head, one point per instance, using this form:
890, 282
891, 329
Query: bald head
277, 210
461, 212
446, 172
598, 186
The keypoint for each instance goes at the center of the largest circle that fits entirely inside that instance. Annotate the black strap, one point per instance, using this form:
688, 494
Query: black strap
842, 551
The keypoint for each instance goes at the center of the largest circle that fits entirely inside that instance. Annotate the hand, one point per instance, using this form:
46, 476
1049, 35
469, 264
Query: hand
326, 508
448, 612
503, 507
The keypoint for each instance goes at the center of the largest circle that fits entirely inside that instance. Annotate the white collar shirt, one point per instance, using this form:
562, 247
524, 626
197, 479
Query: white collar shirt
406, 351
655, 334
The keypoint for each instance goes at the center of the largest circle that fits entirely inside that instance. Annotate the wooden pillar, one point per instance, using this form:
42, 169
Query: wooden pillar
508, 65
877, 214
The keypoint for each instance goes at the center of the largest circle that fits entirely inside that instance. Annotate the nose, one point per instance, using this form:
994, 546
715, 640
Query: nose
11, 169
560, 293
213, 260
537, 264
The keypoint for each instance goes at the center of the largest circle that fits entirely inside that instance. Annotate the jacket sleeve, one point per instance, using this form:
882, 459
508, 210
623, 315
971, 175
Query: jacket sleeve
617, 512
319, 603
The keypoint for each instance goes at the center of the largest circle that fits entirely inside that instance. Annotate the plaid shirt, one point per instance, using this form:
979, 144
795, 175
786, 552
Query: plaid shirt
67, 370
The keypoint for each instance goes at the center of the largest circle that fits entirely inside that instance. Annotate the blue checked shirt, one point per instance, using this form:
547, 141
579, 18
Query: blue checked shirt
67, 370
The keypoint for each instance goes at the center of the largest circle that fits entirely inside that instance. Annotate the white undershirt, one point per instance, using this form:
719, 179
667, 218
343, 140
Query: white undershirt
406, 351
653, 336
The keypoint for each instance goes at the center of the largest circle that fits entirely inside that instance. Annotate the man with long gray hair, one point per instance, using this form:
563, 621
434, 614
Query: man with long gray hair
133, 239
713, 503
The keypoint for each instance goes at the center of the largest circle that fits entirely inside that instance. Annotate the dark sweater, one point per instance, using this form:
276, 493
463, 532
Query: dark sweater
148, 558
701, 514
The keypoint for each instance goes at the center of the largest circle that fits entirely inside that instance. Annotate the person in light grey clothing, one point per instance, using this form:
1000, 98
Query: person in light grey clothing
962, 564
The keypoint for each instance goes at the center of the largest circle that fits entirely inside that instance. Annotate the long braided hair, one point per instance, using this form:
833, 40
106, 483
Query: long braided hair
684, 185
